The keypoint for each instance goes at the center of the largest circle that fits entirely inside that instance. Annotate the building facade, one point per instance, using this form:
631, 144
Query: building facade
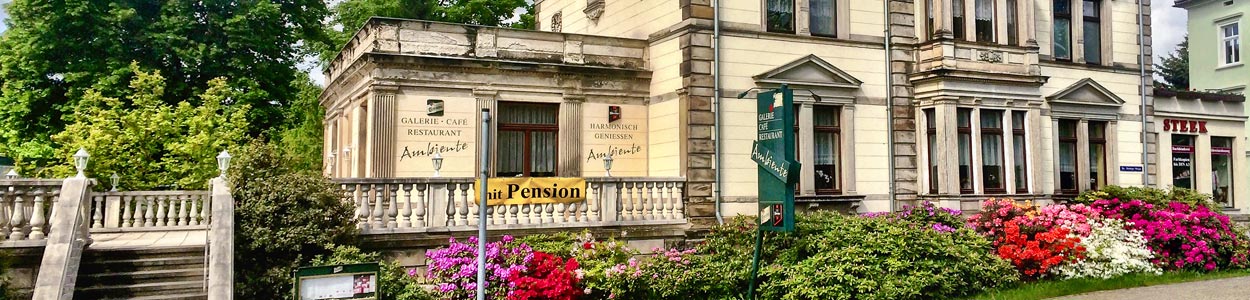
960, 101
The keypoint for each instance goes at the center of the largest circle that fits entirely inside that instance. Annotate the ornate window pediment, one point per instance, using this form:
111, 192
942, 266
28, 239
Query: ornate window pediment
1085, 97
593, 10
810, 71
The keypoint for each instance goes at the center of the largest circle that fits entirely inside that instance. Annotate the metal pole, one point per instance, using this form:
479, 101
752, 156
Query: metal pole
755, 262
1141, 64
481, 205
889, 106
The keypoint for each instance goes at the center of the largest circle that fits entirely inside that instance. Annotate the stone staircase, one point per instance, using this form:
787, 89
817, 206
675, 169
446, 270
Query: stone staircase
151, 273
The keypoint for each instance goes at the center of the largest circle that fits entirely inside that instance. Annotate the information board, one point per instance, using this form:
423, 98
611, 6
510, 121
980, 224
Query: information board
354, 282
773, 151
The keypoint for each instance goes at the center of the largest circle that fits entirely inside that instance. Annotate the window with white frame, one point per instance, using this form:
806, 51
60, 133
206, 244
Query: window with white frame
779, 16
826, 160
1230, 43
823, 17
990, 151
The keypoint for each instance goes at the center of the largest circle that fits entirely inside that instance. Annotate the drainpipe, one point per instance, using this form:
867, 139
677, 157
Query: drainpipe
1141, 63
720, 219
889, 103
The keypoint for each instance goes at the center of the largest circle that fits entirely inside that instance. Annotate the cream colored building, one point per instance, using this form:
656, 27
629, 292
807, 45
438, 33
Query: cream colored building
987, 99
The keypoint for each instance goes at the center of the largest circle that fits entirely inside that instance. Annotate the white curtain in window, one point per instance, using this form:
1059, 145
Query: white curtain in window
823, 19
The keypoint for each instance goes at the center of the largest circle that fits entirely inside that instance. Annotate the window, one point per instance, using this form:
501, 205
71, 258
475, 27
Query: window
957, 17
823, 17
827, 133
1067, 157
1092, 31
527, 139
780, 16
1013, 29
992, 151
985, 20
1230, 35
1097, 155
1183, 161
1063, 29
931, 126
1221, 170
1020, 157
965, 151
928, 8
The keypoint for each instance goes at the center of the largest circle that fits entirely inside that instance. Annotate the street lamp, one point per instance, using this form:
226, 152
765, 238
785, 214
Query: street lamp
12, 174
80, 161
114, 178
223, 162
607, 165
332, 163
438, 162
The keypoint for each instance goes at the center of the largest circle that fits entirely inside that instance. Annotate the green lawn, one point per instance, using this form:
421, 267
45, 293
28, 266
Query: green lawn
1057, 288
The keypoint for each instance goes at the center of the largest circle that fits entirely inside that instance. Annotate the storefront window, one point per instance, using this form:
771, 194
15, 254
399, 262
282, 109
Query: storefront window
965, 151
931, 127
1221, 170
827, 134
1097, 155
992, 151
1018, 150
1067, 156
1183, 161
527, 139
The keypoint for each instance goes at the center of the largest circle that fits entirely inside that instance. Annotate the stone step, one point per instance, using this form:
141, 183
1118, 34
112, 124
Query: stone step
115, 278
94, 254
188, 296
140, 264
130, 291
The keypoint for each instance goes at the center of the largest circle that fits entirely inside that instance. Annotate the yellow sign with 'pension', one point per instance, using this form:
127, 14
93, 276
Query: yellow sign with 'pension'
528, 190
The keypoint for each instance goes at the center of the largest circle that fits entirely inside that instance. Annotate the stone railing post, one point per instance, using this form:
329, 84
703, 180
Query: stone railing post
221, 243
59, 269
112, 211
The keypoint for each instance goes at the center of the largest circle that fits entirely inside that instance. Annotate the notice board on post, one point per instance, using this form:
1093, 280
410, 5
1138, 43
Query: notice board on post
773, 152
341, 282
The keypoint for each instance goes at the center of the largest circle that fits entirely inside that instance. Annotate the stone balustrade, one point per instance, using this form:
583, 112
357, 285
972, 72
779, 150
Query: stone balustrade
396, 205
25, 208
150, 210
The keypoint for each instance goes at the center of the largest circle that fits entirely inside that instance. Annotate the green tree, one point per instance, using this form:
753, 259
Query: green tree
1175, 67
301, 137
148, 142
347, 17
55, 51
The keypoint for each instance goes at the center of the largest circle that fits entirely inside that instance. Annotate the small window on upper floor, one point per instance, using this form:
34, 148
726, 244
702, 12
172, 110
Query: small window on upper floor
824, 17
1062, 29
1092, 15
1230, 43
985, 21
780, 16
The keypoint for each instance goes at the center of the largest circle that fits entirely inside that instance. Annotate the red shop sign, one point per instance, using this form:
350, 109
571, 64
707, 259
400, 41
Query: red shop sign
1182, 149
1221, 151
1174, 125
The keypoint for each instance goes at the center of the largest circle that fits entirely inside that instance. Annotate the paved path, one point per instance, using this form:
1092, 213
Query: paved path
150, 239
1237, 288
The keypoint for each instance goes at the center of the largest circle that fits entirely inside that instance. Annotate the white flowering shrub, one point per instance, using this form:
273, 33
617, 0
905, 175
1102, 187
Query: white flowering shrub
1110, 250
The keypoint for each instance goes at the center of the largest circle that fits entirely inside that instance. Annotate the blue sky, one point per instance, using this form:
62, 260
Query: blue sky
1169, 29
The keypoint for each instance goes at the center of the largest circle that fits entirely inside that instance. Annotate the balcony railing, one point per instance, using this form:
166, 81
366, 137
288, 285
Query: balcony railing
25, 208
149, 210
398, 205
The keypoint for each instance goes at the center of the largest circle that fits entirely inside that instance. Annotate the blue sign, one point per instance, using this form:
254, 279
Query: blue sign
1130, 168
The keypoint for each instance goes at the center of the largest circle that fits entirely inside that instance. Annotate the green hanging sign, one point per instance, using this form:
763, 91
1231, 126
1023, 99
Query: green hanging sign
773, 150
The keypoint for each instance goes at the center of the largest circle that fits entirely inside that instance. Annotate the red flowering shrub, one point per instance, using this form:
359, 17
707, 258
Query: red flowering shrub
1035, 251
994, 213
549, 278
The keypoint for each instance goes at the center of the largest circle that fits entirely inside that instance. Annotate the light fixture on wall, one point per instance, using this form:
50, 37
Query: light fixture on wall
330, 170
607, 165
80, 161
438, 162
114, 180
223, 162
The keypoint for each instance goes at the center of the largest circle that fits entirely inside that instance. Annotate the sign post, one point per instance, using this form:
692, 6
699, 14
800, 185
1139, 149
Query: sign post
482, 203
773, 151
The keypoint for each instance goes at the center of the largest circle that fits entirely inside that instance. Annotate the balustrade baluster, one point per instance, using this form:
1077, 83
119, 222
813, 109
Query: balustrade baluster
161, 206
97, 214
453, 217
392, 210
644, 195
360, 196
566, 211
498, 213
596, 202
130, 214
677, 200
149, 218
182, 210
6, 212
619, 202
206, 206
626, 196
173, 210
19, 211
421, 206
668, 200
524, 217
405, 210
37, 218
379, 207
193, 217
582, 209
549, 211
464, 196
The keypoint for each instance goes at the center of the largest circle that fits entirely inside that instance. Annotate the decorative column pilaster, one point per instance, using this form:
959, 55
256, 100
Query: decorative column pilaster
570, 138
1082, 155
942, 20
948, 147
807, 159
381, 145
848, 152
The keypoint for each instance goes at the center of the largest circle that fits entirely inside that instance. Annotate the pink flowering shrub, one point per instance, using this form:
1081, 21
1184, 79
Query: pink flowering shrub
1182, 236
995, 213
1075, 218
455, 268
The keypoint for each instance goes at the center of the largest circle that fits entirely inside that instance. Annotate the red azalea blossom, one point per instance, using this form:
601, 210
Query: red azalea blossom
1034, 254
549, 278
588, 245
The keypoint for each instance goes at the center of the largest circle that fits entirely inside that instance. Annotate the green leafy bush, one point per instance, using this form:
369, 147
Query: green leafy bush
394, 283
283, 218
1154, 196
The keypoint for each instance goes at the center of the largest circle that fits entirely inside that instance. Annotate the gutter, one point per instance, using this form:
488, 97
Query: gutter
716, 104
889, 104
1141, 65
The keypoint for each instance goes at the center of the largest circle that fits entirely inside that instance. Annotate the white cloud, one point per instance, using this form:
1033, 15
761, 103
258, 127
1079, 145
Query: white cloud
1168, 27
